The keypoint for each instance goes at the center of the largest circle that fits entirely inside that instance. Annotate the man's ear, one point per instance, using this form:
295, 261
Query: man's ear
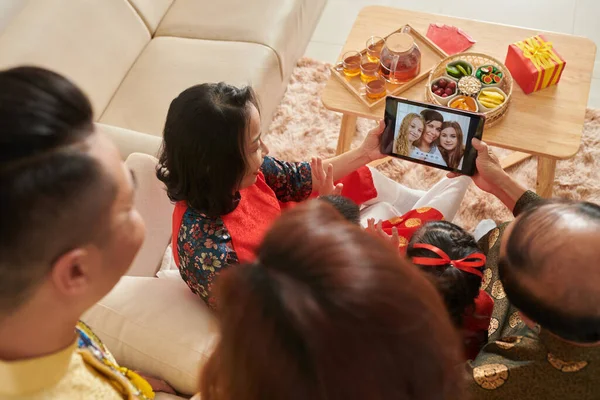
70, 272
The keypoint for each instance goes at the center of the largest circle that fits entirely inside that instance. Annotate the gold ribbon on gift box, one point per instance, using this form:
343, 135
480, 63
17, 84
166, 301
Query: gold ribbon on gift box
544, 58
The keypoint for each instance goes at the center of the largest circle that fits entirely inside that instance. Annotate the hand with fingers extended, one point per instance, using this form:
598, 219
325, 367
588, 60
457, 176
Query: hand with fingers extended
323, 178
376, 230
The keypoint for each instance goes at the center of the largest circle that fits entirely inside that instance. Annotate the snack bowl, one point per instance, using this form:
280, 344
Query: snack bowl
492, 116
489, 75
486, 101
443, 83
465, 103
459, 68
469, 86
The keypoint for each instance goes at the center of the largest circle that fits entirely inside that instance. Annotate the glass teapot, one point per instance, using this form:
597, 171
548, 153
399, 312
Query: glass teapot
400, 59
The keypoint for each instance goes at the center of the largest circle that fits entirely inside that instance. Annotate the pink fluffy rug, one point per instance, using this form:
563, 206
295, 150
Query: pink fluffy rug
302, 127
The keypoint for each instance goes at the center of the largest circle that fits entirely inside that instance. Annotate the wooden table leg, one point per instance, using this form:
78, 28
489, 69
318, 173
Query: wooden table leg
545, 176
513, 159
347, 132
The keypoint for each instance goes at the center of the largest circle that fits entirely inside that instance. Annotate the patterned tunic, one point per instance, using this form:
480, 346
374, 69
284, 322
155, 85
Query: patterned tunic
84, 370
523, 363
207, 245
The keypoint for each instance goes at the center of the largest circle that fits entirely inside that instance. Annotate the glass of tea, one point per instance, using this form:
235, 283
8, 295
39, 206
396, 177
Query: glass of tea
375, 89
374, 46
400, 59
369, 70
351, 63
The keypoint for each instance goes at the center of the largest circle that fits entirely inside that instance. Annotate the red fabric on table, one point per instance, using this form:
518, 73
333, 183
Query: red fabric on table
449, 38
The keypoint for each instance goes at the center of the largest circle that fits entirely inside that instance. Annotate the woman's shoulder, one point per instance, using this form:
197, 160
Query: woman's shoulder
191, 216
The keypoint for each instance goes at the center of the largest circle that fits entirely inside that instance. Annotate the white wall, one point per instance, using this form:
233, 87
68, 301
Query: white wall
8, 9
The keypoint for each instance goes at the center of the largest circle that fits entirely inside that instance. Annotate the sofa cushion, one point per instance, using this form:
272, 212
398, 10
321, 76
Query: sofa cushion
94, 43
151, 11
170, 65
286, 26
156, 209
129, 141
157, 326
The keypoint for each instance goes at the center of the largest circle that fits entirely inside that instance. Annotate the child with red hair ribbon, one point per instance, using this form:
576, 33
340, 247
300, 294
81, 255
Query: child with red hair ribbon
451, 255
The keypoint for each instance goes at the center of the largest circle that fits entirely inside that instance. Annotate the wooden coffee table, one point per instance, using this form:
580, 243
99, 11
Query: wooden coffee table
547, 123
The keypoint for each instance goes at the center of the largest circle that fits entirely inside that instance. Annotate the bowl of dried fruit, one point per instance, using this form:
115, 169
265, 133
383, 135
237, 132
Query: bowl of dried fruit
483, 84
443, 89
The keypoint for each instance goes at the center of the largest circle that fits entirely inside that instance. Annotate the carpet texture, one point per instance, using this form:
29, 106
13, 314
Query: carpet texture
302, 128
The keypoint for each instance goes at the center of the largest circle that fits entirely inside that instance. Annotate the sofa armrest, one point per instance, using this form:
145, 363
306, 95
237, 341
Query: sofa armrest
156, 209
129, 141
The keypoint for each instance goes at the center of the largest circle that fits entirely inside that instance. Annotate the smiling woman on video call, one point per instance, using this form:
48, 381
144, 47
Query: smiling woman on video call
410, 131
426, 147
451, 144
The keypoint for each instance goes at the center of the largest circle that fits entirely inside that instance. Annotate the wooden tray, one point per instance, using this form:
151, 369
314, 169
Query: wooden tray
431, 55
476, 60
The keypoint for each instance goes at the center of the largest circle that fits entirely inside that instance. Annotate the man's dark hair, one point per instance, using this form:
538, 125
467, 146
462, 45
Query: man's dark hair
458, 288
202, 160
52, 193
537, 248
432, 115
349, 209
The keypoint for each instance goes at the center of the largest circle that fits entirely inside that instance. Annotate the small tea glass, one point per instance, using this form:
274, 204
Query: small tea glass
351, 63
374, 46
375, 89
369, 70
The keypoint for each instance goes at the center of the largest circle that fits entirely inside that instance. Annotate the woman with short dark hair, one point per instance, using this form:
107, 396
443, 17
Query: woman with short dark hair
330, 314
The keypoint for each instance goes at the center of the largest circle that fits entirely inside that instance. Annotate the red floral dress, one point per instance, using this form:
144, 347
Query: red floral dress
203, 246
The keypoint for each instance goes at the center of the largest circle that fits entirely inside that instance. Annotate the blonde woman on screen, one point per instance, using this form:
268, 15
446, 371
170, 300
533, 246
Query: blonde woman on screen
410, 131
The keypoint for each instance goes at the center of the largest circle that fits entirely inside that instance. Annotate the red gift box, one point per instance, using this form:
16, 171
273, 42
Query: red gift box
534, 63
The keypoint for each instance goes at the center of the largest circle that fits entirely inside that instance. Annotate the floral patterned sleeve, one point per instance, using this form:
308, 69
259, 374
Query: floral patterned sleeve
204, 247
289, 181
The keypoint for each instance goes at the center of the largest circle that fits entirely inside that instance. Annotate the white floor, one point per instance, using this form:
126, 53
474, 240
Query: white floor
579, 17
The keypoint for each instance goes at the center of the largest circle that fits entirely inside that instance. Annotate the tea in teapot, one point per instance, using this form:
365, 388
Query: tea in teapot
400, 59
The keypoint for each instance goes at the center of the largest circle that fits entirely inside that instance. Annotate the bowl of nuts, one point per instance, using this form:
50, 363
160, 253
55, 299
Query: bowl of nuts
482, 81
469, 86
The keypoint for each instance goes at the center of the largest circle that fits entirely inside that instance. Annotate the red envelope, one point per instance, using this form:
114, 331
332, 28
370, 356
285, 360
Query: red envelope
449, 38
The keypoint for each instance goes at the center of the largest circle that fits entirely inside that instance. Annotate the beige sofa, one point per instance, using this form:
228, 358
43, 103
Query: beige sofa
132, 57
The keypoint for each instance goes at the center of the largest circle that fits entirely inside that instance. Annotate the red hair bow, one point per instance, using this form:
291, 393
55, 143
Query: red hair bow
468, 264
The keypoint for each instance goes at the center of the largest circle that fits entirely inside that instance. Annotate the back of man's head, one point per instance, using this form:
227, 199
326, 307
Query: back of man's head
53, 194
550, 271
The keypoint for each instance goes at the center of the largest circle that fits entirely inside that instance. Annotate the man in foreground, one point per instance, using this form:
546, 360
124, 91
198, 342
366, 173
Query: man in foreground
69, 230
543, 273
